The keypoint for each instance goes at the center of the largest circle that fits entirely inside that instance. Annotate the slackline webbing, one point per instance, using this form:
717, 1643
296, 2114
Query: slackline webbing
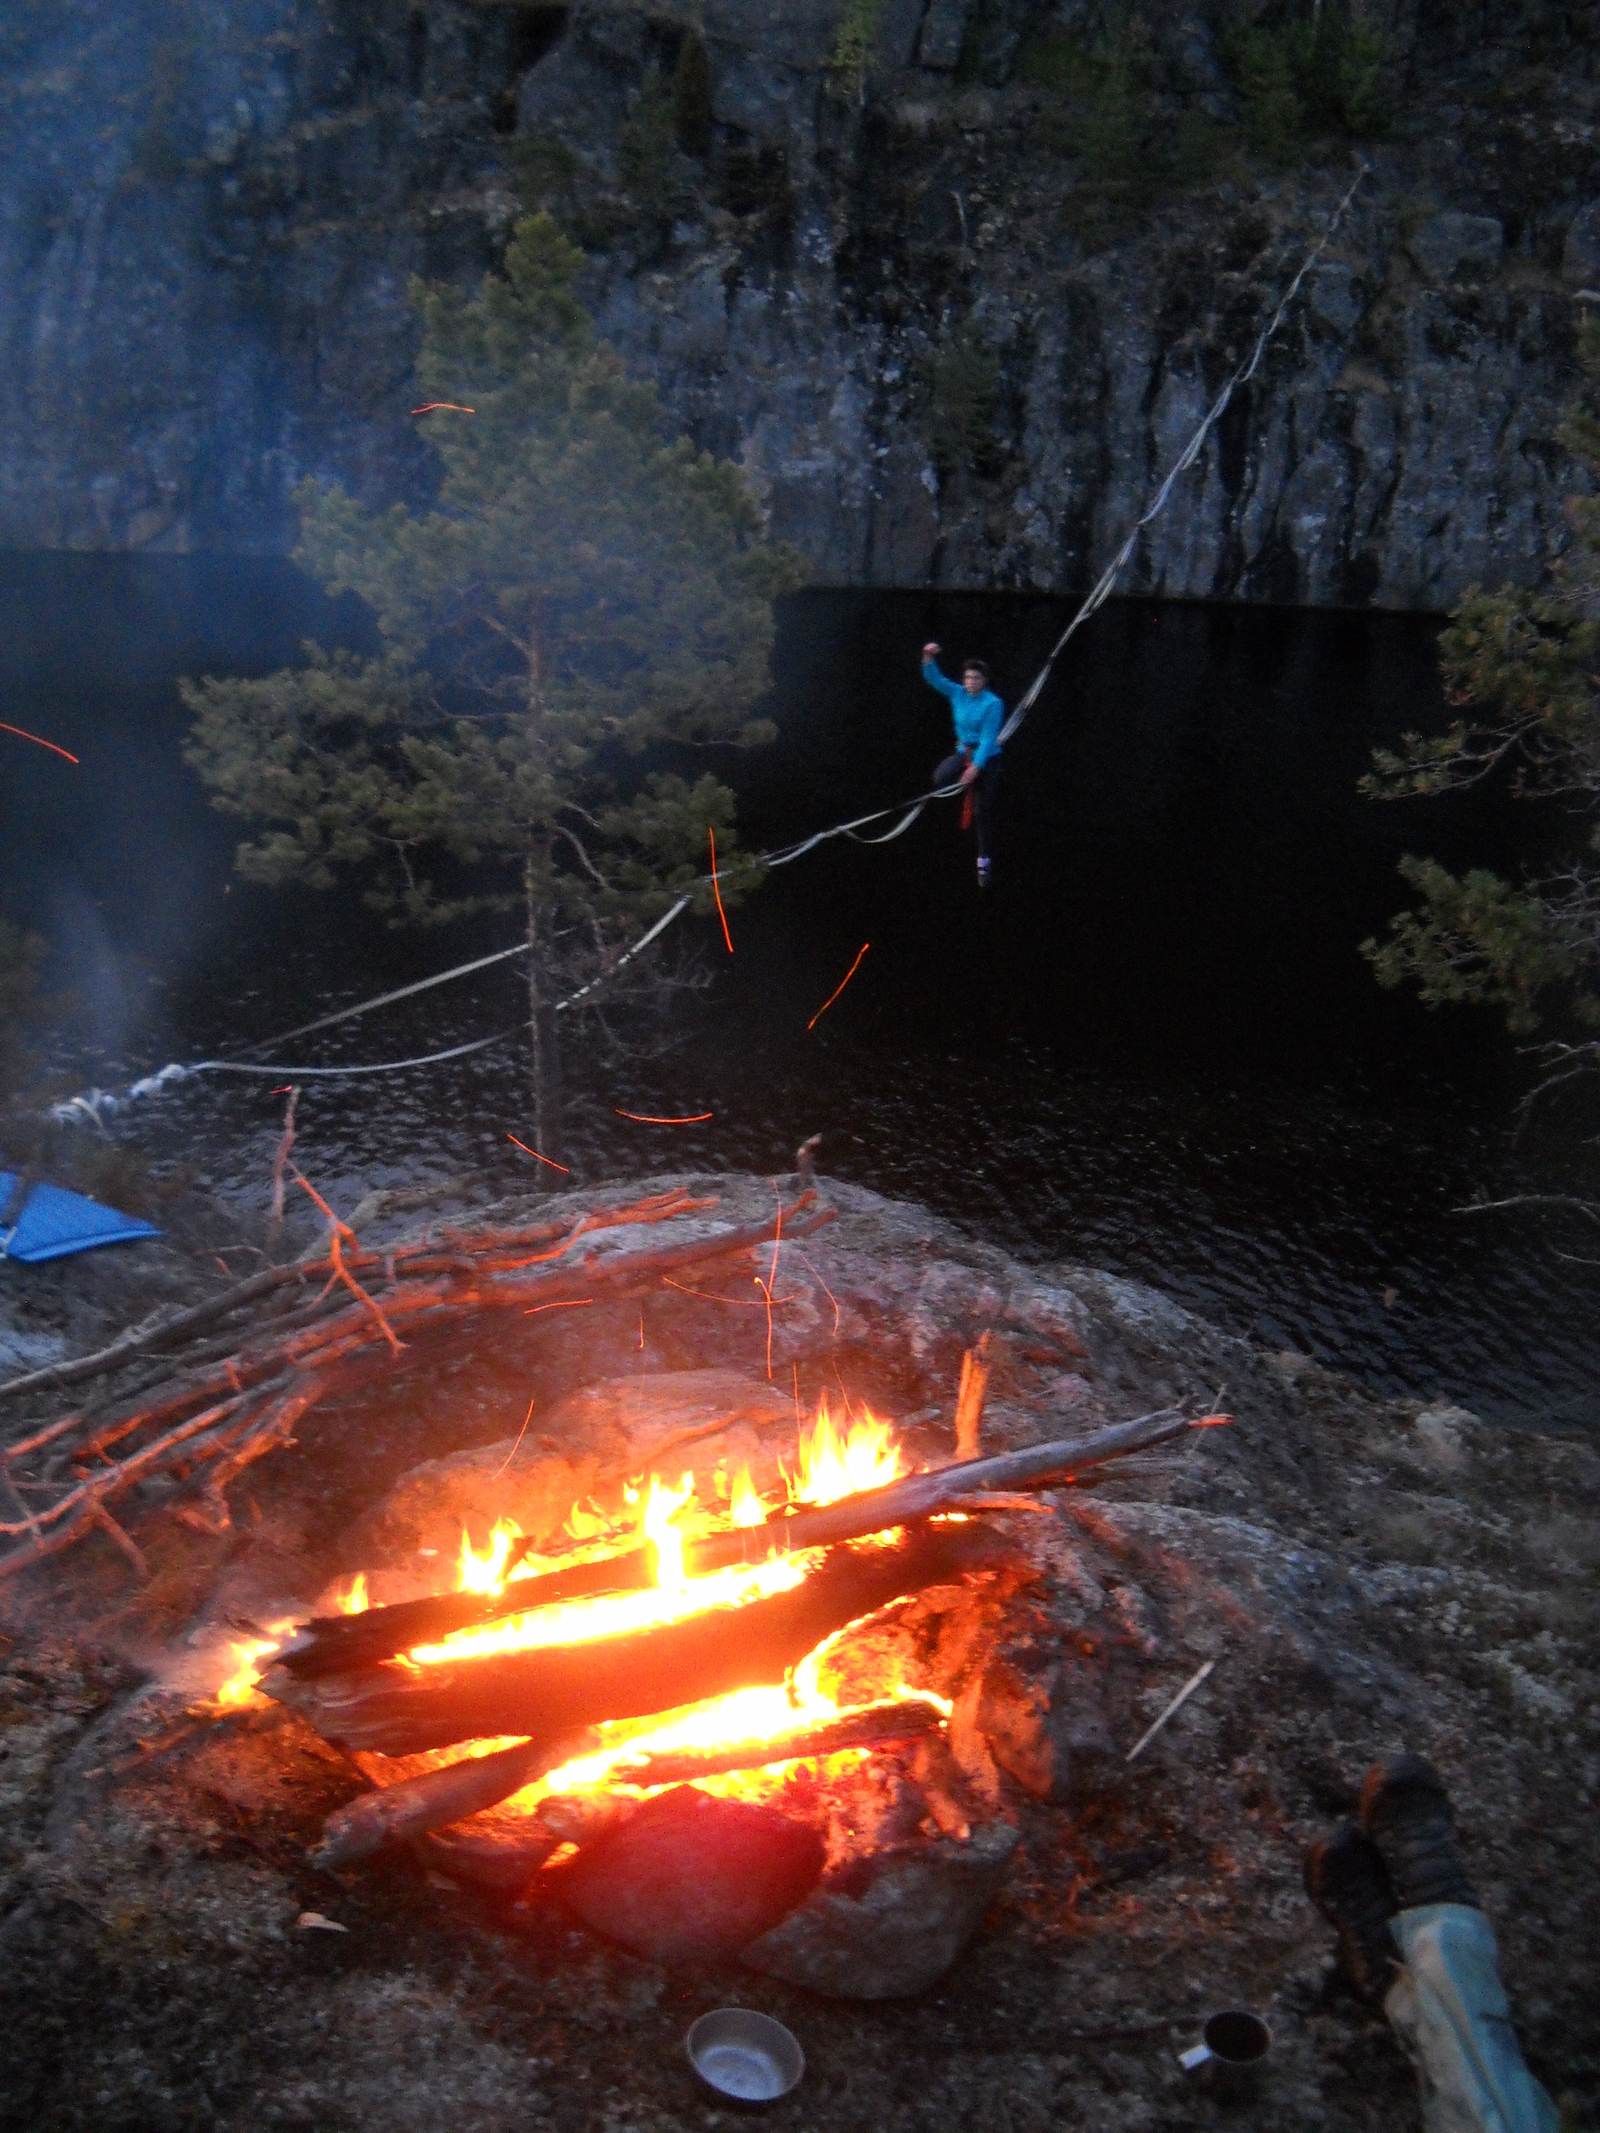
97, 1103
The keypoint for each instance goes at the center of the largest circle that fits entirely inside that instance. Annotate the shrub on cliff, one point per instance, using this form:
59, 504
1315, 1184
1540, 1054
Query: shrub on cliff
1523, 669
588, 596
1305, 80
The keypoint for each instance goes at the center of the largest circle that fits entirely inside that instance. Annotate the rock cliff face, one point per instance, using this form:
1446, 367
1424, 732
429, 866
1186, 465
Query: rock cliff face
953, 278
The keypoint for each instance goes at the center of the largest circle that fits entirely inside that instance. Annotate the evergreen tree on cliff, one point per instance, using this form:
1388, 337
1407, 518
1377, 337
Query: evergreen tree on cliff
1523, 669
585, 588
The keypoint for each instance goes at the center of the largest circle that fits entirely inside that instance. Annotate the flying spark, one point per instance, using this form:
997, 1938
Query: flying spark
839, 988
41, 741
521, 1433
576, 1304
538, 1158
716, 892
643, 1118
454, 407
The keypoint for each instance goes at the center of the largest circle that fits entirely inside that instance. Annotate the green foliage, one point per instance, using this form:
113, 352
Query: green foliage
1100, 110
1263, 71
963, 401
693, 118
1303, 80
653, 175
587, 593
1524, 669
854, 45
1478, 939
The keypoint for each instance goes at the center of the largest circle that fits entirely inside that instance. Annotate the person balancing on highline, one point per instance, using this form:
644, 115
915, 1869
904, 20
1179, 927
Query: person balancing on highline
978, 714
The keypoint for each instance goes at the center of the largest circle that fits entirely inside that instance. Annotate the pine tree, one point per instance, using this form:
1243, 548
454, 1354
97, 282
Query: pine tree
1523, 668
586, 596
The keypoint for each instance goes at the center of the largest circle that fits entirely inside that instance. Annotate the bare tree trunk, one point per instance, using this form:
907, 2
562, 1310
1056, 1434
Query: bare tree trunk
544, 1043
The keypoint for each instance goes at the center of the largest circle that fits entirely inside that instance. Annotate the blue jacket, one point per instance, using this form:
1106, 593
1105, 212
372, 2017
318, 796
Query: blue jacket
978, 719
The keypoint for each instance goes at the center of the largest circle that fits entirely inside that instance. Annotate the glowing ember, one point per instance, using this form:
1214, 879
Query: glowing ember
614, 1614
839, 988
717, 891
39, 739
759, 1714
836, 1463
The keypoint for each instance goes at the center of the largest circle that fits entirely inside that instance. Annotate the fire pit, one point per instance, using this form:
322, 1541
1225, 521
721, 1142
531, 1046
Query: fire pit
717, 1708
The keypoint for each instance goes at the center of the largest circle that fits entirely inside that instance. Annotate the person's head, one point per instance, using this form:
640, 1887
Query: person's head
974, 676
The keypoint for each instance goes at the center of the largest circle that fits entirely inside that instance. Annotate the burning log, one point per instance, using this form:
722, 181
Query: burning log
437, 1798
343, 1643
868, 1725
553, 1689
417, 1806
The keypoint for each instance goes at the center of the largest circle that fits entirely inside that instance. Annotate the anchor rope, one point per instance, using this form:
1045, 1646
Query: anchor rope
97, 1103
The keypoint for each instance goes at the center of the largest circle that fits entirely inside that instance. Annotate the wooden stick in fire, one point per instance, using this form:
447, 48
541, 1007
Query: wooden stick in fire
434, 1800
550, 1690
346, 1643
866, 1725
375, 1820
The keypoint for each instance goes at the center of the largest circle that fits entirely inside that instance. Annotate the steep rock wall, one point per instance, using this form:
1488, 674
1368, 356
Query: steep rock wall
943, 352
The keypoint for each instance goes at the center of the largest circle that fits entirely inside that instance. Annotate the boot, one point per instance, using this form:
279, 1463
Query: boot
1406, 1812
1349, 1884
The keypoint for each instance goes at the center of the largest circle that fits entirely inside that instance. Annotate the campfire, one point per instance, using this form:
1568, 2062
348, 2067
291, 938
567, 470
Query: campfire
715, 1681
702, 1675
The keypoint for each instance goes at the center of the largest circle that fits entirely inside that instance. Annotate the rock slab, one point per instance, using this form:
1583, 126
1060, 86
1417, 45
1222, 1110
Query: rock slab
693, 1877
892, 1931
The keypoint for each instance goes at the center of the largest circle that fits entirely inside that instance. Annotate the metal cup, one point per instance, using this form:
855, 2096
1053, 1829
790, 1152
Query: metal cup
744, 2056
1231, 2057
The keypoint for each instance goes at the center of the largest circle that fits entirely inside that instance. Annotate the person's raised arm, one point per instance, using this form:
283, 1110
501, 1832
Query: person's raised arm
932, 676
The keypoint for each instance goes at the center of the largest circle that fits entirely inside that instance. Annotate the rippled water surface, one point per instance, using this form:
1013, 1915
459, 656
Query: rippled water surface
1152, 1046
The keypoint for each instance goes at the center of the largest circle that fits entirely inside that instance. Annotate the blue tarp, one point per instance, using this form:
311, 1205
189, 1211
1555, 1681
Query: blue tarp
54, 1222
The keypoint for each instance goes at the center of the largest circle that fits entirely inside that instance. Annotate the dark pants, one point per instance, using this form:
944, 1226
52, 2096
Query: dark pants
984, 787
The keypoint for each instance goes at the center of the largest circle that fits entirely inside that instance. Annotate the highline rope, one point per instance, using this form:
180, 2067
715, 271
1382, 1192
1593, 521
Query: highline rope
98, 1103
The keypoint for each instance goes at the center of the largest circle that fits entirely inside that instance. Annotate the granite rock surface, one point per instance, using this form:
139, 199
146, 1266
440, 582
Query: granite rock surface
888, 289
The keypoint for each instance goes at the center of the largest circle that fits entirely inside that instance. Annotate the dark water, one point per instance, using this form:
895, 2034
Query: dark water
1152, 1046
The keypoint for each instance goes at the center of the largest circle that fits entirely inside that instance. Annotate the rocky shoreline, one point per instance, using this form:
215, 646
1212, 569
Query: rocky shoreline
1365, 1574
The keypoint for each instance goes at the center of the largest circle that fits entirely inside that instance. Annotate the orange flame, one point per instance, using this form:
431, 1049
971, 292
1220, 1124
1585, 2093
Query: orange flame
586, 1523
356, 1600
486, 1573
836, 1458
746, 1507
240, 1687
662, 1536
836, 1463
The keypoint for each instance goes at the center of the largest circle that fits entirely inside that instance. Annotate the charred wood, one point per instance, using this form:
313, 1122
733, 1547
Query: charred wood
869, 1725
437, 1798
551, 1690
341, 1643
